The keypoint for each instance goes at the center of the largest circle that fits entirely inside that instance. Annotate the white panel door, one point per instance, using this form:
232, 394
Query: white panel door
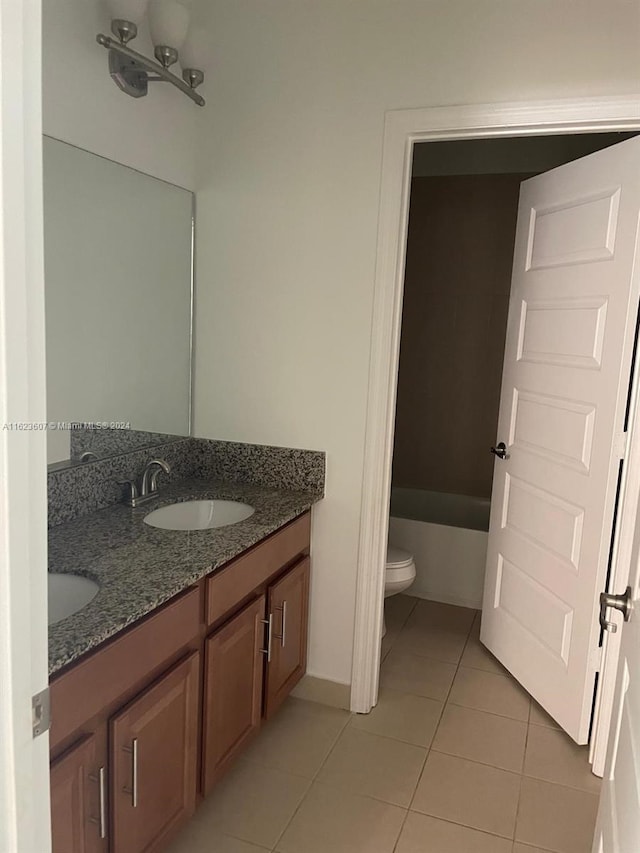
572, 315
618, 824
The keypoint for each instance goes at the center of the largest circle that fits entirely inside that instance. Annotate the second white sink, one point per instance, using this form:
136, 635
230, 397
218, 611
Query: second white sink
199, 515
68, 594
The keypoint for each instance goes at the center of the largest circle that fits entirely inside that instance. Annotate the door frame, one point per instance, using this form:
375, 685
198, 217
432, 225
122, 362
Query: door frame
24, 760
402, 129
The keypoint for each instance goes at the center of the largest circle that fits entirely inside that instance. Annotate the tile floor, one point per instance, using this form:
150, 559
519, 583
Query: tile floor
455, 758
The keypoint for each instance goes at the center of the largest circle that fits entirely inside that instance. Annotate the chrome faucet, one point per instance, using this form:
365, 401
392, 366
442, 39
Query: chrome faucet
148, 483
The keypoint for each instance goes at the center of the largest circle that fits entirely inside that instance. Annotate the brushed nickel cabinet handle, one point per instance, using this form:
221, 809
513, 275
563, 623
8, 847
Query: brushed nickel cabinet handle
269, 623
102, 820
133, 790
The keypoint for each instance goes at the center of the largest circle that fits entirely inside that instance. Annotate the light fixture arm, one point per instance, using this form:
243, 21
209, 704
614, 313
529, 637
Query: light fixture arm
138, 68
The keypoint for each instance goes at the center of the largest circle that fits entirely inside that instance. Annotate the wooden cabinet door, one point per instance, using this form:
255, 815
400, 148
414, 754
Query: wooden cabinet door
288, 603
78, 804
153, 747
234, 666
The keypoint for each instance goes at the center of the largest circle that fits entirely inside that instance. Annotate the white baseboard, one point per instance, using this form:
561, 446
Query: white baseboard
473, 603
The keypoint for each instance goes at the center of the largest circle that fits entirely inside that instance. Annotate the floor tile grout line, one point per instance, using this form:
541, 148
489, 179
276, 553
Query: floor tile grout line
559, 784
476, 761
445, 704
444, 701
440, 716
468, 826
526, 736
393, 737
313, 779
406, 817
484, 711
386, 737
465, 826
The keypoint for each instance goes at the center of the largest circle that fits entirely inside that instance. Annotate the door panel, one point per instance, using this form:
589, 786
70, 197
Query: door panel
234, 666
568, 352
75, 801
154, 759
618, 824
288, 602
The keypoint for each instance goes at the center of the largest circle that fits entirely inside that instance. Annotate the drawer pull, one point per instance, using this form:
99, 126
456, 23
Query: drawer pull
102, 821
269, 623
133, 790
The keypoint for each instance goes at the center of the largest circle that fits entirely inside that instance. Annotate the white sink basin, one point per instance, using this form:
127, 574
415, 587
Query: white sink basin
199, 515
68, 594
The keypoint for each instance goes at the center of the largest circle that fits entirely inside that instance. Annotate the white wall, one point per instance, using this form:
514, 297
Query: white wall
82, 104
289, 174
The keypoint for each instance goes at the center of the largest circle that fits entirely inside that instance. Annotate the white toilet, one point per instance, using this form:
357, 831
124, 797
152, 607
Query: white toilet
400, 573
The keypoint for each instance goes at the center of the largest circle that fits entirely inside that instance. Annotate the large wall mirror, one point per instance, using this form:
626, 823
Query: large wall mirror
119, 303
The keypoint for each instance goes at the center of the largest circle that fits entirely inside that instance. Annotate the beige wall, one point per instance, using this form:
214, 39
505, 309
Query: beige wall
289, 177
456, 298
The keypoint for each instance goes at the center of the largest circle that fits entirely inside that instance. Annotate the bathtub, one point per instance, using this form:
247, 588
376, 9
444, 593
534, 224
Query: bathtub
447, 534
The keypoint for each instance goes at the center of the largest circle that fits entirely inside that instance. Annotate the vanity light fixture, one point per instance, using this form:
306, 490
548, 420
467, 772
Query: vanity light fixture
173, 39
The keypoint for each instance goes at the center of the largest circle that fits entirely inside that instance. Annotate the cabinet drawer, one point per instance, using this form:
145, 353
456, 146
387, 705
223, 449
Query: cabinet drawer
100, 679
229, 587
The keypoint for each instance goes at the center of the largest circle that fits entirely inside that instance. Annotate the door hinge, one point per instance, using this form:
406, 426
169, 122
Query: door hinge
40, 712
620, 445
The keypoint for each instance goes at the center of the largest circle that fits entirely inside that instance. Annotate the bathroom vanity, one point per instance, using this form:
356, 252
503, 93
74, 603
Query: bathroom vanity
146, 723
171, 639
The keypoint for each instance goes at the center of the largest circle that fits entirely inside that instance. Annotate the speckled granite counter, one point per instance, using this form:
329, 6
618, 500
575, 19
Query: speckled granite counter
139, 567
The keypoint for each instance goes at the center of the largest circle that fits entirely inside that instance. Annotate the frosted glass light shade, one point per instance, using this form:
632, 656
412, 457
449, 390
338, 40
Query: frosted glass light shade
168, 22
194, 53
127, 10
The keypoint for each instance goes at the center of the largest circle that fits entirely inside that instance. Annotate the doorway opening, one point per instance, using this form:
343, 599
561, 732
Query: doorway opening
464, 207
459, 258
403, 130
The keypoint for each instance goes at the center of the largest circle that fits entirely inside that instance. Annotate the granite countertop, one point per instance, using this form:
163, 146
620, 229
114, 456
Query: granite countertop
139, 567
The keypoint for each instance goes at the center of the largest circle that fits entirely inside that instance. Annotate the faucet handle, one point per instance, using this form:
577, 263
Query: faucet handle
132, 490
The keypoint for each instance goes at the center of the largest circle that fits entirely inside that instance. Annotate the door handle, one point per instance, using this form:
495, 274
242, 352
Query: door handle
500, 451
623, 603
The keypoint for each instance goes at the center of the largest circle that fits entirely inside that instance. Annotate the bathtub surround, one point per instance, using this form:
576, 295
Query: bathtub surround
86, 488
456, 296
447, 535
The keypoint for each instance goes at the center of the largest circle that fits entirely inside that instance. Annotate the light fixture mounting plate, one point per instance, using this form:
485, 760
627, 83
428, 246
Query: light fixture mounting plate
128, 74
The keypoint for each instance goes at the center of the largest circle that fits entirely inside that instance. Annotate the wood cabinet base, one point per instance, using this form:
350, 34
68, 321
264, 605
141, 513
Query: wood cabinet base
158, 715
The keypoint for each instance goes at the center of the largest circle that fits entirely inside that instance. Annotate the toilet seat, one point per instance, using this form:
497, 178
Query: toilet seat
397, 558
400, 570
